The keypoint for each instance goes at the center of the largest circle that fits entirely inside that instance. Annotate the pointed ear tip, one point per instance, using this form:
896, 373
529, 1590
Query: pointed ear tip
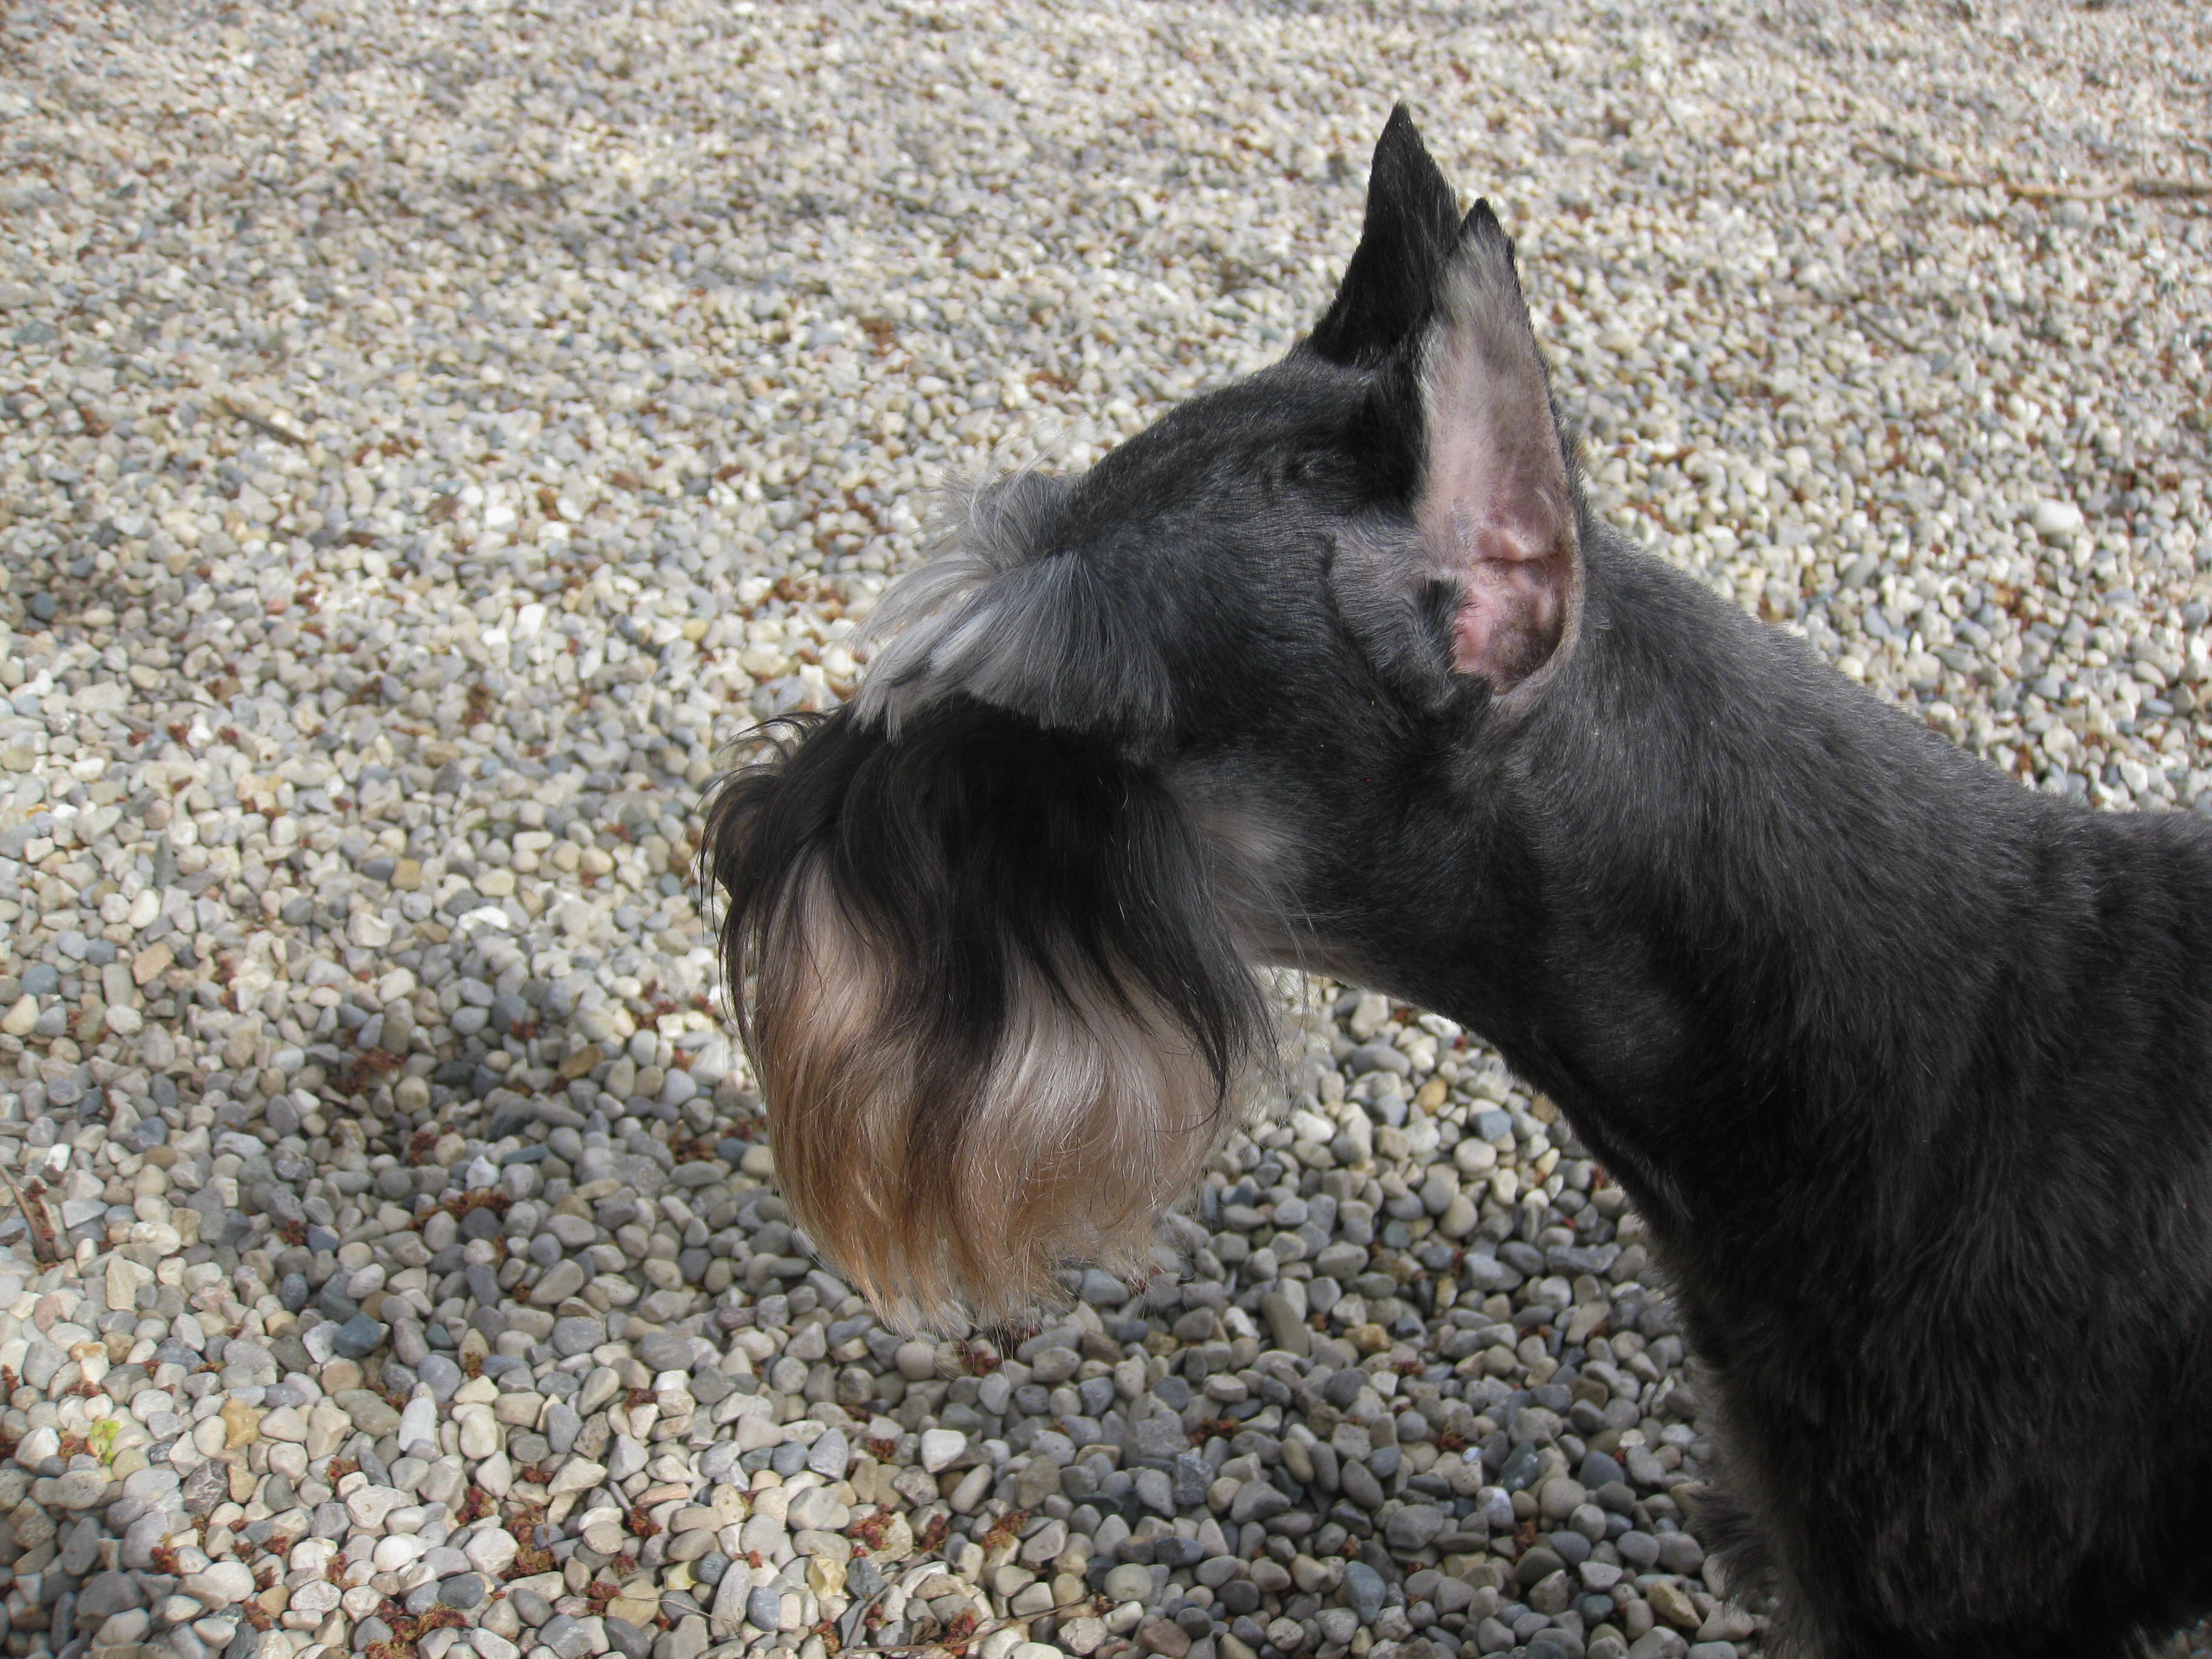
1481, 230
1399, 128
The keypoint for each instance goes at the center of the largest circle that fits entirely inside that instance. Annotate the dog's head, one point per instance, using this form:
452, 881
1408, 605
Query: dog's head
989, 923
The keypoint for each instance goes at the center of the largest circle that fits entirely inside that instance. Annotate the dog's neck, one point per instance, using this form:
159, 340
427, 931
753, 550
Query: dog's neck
1759, 936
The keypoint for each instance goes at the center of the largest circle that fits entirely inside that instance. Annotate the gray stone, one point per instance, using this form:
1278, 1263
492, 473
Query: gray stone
80, 1489
439, 1375
1414, 1527
1360, 1484
151, 1485
1534, 1565
688, 1639
1521, 1467
559, 1282
1638, 1548
1128, 1582
1174, 1553
219, 1584
249, 1364
625, 1458
40, 1362
1193, 1477
1599, 1470
1156, 1432
576, 1334
1552, 1593
107, 1593
1055, 1364
445, 1482
1102, 1289
1256, 1500
358, 1338
1154, 1491
1534, 1425
1364, 1591
1679, 1552
1284, 1328
80, 1547
762, 1606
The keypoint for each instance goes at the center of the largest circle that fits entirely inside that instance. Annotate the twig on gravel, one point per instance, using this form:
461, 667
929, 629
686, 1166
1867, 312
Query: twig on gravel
282, 435
39, 1227
2140, 185
1886, 331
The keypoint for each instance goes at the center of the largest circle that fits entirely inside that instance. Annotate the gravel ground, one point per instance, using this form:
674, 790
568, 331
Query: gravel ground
433, 432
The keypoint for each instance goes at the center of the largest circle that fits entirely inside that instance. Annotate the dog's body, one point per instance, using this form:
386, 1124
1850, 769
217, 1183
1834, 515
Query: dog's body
1909, 1069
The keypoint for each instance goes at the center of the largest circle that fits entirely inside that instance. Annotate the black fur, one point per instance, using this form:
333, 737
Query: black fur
1009, 890
1412, 225
1908, 1068
979, 848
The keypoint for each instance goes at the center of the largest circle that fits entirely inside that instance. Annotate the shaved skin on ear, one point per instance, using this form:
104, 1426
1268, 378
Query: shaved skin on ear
1495, 510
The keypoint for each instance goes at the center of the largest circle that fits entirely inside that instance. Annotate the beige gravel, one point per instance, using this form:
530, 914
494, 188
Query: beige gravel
389, 390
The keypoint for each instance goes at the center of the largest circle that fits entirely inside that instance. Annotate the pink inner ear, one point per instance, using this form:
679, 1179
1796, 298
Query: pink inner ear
1495, 508
1509, 621
1514, 563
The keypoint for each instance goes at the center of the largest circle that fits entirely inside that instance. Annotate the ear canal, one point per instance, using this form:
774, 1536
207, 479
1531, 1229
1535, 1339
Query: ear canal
997, 1018
1495, 507
1413, 218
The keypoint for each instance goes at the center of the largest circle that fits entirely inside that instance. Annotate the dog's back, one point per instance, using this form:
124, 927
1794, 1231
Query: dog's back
1945, 1045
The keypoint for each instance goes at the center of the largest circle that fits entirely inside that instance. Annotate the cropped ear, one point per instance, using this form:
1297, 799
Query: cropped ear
1494, 508
1412, 223
1000, 616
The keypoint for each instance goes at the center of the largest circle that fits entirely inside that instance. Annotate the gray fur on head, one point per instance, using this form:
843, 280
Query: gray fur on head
1002, 616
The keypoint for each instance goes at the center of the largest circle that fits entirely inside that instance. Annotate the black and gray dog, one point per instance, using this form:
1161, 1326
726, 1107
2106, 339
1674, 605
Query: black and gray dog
1908, 1068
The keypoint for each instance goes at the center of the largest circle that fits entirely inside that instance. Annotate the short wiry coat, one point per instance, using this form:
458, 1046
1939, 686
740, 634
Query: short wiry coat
1910, 1069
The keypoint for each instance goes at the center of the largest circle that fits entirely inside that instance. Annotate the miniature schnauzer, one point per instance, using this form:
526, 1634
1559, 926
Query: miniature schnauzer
1908, 1068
